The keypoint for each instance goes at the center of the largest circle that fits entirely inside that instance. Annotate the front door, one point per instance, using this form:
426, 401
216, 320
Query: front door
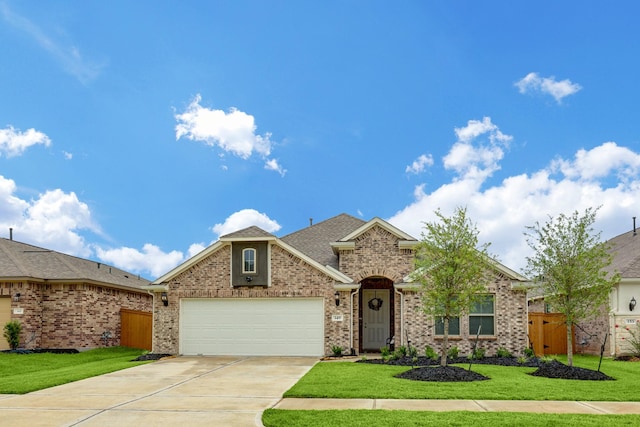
375, 318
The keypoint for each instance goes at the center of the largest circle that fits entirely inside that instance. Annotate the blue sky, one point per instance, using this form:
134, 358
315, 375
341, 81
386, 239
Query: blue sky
136, 133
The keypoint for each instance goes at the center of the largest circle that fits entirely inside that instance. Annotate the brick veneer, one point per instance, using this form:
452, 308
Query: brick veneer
71, 315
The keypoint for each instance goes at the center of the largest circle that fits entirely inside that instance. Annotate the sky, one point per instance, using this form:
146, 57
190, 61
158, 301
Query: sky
137, 133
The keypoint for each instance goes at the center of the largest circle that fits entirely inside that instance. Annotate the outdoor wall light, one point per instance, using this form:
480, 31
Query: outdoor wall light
632, 304
164, 298
16, 297
337, 295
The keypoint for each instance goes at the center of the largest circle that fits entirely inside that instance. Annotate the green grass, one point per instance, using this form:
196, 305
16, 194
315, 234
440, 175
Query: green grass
23, 373
367, 418
361, 380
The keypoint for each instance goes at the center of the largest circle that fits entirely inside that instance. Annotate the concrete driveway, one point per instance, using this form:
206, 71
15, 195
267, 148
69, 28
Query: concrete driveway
182, 391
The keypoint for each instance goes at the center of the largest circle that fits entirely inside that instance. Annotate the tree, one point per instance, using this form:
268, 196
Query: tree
568, 264
451, 268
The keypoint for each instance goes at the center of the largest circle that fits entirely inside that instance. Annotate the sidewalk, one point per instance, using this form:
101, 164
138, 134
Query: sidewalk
538, 406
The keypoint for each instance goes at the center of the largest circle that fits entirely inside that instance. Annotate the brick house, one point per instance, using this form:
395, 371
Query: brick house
621, 316
341, 282
64, 301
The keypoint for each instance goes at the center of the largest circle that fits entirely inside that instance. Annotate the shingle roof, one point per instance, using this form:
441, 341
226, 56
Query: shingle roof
314, 241
22, 261
626, 255
248, 232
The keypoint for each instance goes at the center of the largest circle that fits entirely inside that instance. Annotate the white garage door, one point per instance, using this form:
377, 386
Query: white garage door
252, 327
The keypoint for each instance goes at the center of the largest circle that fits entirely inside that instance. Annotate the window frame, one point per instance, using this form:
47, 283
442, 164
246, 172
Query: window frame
481, 316
438, 327
245, 260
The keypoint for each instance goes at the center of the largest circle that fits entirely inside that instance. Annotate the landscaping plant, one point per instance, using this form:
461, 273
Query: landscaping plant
12, 330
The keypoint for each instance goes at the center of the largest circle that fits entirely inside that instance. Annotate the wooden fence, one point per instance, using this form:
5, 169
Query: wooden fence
136, 329
548, 333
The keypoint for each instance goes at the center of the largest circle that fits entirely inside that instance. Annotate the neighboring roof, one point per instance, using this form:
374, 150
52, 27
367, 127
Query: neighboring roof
20, 261
625, 249
315, 240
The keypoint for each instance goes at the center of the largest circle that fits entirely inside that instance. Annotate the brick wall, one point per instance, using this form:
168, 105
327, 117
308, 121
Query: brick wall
291, 277
71, 315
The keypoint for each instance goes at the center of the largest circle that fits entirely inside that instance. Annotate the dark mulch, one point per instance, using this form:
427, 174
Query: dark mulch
151, 356
441, 374
555, 369
429, 369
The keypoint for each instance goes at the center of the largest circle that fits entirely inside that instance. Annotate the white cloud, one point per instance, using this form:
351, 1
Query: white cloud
233, 131
67, 155
419, 164
54, 220
151, 258
502, 212
532, 82
65, 53
246, 218
13, 142
477, 161
272, 164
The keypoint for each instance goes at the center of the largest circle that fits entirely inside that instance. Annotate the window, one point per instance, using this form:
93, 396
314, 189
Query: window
454, 326
249, 260
482, 315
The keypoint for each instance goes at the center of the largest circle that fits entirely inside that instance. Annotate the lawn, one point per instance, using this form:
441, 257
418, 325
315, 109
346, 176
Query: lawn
23, 373
361, 380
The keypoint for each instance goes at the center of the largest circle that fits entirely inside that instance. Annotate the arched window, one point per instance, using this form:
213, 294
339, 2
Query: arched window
249, 260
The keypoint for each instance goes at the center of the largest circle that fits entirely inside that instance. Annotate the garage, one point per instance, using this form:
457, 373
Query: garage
252, 327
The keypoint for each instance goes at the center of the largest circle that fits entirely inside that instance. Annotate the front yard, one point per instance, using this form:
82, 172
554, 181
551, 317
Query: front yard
360, 380
23, 373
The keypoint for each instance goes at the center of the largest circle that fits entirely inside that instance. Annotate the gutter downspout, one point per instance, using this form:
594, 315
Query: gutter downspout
401, 314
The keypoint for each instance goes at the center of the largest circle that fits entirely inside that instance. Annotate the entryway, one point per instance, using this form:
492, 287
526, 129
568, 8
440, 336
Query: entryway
376, 313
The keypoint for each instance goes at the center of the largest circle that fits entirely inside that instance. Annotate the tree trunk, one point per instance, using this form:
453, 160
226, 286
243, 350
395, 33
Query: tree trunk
570, 343
445, 342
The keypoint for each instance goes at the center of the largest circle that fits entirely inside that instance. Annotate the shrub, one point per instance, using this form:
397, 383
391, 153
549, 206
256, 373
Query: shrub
12, 331
453, 352
528, 352
413, 352
336, 350
402, 350
478, 353
634, 341
503, 352
385, 352
430, 353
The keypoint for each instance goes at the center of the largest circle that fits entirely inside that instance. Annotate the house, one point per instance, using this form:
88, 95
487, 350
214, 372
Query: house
341, 282
65, 302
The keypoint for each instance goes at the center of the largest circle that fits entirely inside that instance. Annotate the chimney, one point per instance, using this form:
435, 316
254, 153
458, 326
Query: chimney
10, 233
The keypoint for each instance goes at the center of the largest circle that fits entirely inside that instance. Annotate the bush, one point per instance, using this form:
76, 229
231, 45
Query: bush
478, 353
453, 352
385, 352
12, 330
528, 352
634, 341
413, 352
430, 353
402, 351
503, 352
336, 350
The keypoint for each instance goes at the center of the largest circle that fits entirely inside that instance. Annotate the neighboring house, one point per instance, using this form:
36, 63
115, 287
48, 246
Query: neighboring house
622, 315
341, 282
64, 301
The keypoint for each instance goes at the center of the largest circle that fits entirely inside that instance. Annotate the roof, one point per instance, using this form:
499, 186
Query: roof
315, 240
249, 232
625, 249
21, 261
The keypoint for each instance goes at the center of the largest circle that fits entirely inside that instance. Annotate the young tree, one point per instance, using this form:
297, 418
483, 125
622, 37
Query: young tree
451, 268
568, 264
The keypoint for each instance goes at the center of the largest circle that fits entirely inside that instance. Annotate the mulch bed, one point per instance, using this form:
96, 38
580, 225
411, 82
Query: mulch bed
151, 356
430, 370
